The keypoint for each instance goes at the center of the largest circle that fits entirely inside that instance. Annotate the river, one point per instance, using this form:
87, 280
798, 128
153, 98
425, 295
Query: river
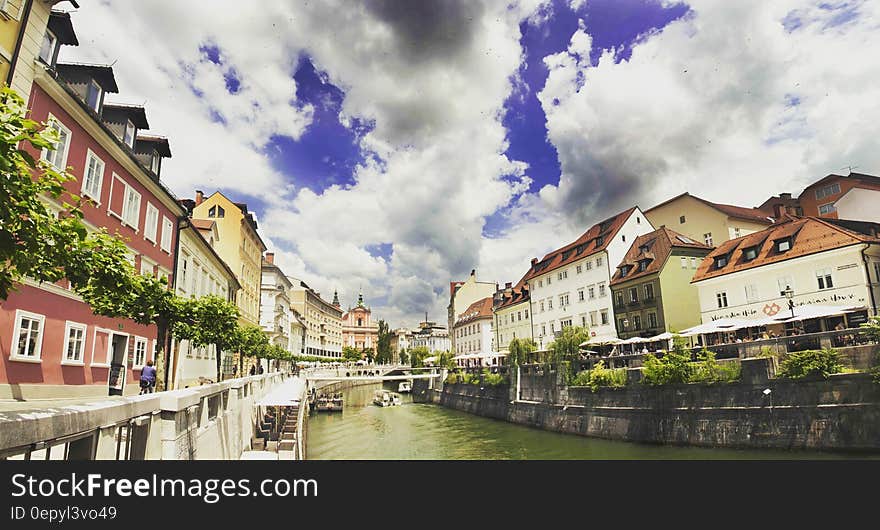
416, 431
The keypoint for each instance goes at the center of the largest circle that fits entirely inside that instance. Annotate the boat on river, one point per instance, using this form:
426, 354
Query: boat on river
384, 398
329, 403
404, 387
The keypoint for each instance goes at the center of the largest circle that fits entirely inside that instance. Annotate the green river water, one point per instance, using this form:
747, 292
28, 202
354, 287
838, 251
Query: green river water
415, 431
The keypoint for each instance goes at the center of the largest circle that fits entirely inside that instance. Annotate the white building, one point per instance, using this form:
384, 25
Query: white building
858, 203
275, 315
570, 286
200, 272
824, 262
431, 336
463, 294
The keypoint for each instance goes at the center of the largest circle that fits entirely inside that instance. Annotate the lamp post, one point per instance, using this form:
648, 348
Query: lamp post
789, 293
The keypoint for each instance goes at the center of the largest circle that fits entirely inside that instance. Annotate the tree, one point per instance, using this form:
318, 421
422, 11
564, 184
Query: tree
383, 344
566, 347
214, 322
251, 341
446, 360
418, 355
350, 354
404, 358
34, 241
519, 350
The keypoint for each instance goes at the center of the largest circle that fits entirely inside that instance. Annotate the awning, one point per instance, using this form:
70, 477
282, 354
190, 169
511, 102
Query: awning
718, 326
612, 340
285, 394
806, 312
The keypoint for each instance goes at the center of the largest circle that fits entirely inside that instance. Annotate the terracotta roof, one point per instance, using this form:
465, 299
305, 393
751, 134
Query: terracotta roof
659, 245
480, 309
811, 235
203, 224
519, 293
870, 181
453, 286
595, 239
749, 214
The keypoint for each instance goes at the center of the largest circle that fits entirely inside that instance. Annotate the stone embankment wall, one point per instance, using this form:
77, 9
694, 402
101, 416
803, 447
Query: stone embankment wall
840, 413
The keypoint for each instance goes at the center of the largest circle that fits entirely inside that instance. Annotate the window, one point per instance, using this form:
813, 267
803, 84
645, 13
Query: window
721, 261
637, 322
518, 316
750, 253
827, 191
129, 133
681, 220
542, 307
693, 263
140, 351
602, 289
623, 238
652, 320
783, 245
721, 298
565, 324
131, 208
540, 283
624, 270
707, 238
578, 269
588, 265
147, 268
649, 291
151, 223
824, 278
93, 95
93, 177
27, 339
549, 303
593, 318
216, 211
622, 323
877, 270
784, 282
643, 265
57, 156
618, 297
583, 321
684, 263
526, 314
599, 261
751, 292
74, 342
183, 269
543, 329
565, 299
167, 227
604, 315
736, 232
47, 48
154, 162
633, 295
549, 280
592, 292
827, 208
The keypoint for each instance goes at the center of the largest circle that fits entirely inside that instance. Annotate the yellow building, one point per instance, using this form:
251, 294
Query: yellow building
707, 222
322, 319
24, 39
239, 245
512, 315
463, 294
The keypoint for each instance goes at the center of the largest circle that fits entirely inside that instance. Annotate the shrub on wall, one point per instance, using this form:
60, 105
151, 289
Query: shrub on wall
493, 379
708, 370
673, 368
600, 376
798, 365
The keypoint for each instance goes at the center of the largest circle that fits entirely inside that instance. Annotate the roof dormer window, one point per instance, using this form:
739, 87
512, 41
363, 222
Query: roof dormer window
750, 253
93, 95
643, 265
48, 48
721, 261
129, 134
154, 162
783, 245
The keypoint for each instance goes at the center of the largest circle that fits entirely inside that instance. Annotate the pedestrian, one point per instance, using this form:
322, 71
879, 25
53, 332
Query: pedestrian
148, 378
253, 370
260, 369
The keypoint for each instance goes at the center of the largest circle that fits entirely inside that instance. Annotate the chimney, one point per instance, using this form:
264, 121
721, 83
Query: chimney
473, 272
508, 285
534, 260
270, 257
785, 195
199, 197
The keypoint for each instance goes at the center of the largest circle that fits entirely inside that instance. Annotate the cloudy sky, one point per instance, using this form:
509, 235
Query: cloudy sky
396, 145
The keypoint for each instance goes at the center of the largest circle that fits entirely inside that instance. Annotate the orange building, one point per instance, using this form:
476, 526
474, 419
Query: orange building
817, 199
358, 329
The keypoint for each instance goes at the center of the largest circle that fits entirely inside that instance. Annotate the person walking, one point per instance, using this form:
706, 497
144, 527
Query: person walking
253, 370
260, 369
148, 378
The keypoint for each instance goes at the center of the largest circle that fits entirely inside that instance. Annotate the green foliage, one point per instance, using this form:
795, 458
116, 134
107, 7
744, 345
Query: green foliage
452, 378
767, 351
446, 360
566, 347
418, 355
871, 328
350, 354
490, 379
383, 344
673, 368
708, 370
798, 365
404, 357
600, 376
519, 350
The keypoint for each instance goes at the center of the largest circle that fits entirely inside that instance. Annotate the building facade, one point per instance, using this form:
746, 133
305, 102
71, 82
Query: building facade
463, 294
322, 319
652, 288
431, 336
239, 245
358, 329
473, 329
54, 346
512, 319
571, 285
200, 272
275, 315
859, 203
707, 222
821, 262
818, 198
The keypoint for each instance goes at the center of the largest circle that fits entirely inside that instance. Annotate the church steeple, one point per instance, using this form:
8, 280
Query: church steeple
335, 298
360, 298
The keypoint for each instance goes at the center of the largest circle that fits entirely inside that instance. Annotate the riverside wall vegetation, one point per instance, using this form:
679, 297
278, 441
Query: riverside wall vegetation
841, 412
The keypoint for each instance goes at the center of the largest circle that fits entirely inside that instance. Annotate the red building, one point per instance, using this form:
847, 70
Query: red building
817, 199
52, 344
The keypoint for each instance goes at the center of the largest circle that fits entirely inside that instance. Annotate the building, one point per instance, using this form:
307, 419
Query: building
463, 294
784, 204
53, 345
298, 326
275, 314
322, 320
431, 336
200, 272
31, 33
474, 336
818, 198
570, 285
358, 329
239, 245
819, 262
400, 342
860, 204
511, 315
652, 288
708, 222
